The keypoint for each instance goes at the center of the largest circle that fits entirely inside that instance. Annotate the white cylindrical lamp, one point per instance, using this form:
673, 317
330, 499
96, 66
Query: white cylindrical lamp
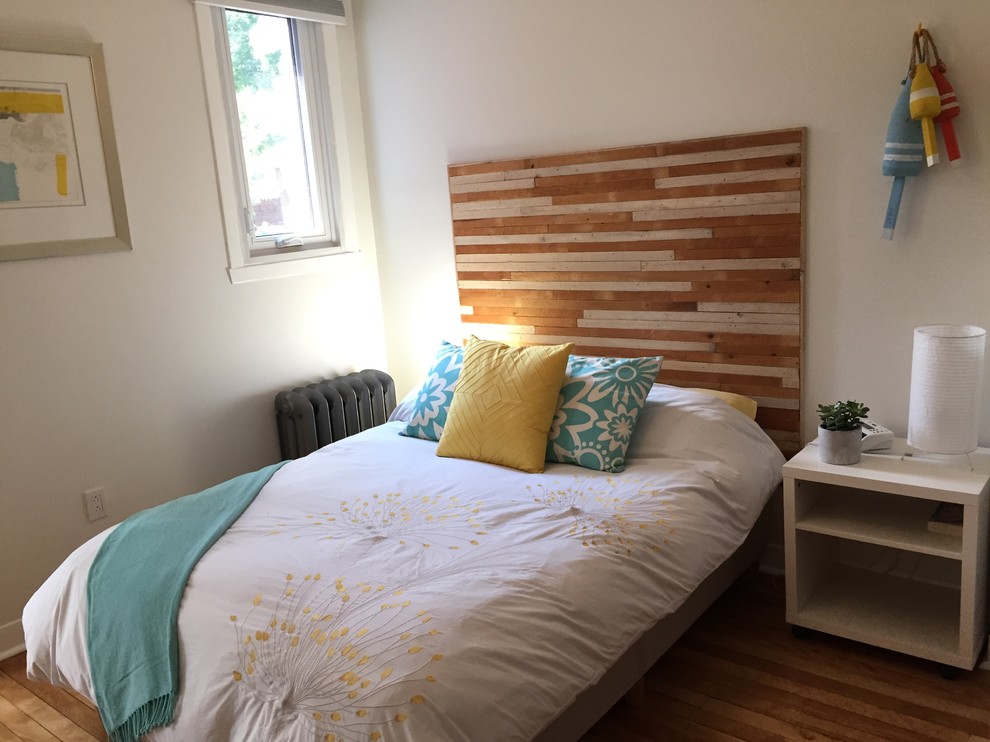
946, 380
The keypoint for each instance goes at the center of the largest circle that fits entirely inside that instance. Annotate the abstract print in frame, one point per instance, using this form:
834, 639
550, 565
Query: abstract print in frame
60, 187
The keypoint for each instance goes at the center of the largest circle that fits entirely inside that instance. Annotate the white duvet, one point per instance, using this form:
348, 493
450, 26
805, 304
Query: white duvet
376, 591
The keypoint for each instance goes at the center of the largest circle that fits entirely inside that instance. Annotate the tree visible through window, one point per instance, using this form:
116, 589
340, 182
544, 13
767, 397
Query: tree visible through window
280, 171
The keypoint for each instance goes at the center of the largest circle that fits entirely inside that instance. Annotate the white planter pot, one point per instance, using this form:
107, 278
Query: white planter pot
840, 446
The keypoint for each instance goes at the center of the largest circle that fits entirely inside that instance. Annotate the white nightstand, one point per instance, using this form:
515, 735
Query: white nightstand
861, 562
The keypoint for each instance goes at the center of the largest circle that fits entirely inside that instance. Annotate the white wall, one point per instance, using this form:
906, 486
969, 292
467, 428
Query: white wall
452, 82
147, 372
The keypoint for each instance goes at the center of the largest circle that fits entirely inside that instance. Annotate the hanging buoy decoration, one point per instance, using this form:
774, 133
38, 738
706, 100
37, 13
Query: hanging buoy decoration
926, 104
950, 109
926, 98
903, 154
947, 96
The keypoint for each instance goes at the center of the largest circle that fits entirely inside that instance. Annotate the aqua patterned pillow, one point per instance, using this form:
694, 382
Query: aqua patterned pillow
599, 404
429, 412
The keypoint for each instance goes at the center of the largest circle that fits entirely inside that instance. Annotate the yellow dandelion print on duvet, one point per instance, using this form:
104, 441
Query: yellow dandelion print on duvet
423, 521
608, 516
346, 661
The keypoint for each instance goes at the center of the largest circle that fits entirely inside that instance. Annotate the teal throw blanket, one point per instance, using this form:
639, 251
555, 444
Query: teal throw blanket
135, 586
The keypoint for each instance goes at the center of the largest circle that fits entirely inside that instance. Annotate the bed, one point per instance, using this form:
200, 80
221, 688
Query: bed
374, 590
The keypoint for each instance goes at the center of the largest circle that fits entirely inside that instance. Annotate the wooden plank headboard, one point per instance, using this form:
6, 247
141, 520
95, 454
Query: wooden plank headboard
687, 249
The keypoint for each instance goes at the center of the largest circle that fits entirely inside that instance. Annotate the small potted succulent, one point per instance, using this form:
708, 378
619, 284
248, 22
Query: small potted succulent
840, 437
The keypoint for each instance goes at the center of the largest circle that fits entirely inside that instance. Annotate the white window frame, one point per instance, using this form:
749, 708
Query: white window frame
327, 89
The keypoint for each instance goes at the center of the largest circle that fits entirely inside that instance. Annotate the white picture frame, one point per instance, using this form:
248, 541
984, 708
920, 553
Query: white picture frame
61, 191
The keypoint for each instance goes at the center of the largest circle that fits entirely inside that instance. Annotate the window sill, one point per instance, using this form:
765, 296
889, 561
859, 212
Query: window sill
262, 271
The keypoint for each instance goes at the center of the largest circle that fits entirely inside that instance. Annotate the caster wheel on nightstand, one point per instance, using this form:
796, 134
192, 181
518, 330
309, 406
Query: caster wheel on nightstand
801, 632
948, 671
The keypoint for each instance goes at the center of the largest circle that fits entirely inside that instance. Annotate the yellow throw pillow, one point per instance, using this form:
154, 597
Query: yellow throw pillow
745, 405
504, 403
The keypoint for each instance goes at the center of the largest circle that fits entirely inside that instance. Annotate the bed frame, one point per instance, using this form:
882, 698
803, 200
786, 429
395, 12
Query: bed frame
623, 677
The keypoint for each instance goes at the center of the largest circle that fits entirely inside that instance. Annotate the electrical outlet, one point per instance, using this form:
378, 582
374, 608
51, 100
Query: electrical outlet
94, 504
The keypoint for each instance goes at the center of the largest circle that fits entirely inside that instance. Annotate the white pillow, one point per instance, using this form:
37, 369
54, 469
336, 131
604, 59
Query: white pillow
686, 424
403, 411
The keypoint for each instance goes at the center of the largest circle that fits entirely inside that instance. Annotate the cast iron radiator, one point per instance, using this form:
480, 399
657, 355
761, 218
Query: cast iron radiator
309, 417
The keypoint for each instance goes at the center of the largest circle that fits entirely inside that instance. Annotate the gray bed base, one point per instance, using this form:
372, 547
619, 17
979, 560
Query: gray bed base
620, 679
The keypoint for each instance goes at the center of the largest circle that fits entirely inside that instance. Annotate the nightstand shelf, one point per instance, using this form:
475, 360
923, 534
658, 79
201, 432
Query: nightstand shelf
896, 613
861, 562
878, 518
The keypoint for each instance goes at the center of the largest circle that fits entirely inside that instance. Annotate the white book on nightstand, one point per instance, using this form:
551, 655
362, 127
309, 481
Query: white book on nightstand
947, 519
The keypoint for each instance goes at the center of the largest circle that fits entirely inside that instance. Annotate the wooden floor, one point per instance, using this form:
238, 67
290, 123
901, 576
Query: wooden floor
738, 674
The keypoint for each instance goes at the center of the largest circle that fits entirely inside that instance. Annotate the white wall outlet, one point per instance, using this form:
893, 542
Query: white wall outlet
94, 504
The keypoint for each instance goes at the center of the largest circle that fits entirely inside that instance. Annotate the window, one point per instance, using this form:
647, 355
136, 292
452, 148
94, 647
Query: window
275, 92
287, 183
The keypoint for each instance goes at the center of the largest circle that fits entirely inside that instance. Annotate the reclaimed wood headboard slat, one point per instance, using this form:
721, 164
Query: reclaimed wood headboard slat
691, 250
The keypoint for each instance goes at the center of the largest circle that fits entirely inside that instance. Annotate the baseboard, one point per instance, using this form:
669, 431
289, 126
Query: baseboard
11, 639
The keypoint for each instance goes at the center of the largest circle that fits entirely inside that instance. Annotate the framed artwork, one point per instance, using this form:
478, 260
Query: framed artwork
60, 187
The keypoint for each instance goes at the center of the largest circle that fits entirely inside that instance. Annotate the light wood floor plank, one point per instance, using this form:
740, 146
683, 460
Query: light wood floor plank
70, 704
81, 698
742, 655
941, 704
865, 662
806, 715
21, 724
715, 720
49, 718
765, 726
748, 668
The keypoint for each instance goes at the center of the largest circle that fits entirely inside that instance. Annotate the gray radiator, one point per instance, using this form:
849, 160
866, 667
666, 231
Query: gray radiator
309, 417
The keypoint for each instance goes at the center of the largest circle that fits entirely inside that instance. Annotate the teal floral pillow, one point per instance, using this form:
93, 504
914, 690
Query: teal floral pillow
429, 412
600, 401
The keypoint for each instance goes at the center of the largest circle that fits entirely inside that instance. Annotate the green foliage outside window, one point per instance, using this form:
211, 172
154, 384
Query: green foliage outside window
249, 71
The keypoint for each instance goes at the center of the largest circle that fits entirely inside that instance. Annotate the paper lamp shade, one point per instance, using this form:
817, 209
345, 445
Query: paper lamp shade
946, 379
